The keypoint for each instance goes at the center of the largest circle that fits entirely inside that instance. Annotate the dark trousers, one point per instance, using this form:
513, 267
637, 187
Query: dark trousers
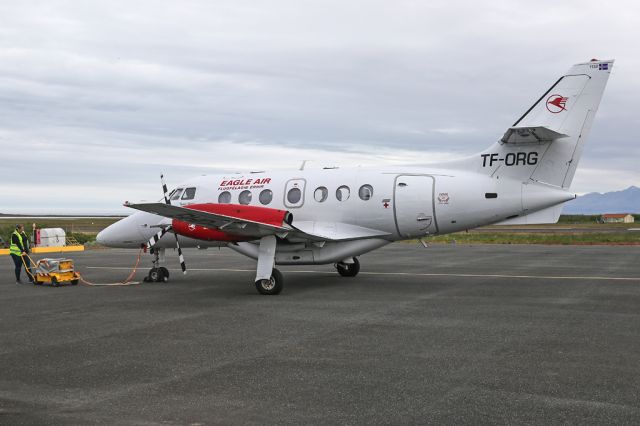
17, 260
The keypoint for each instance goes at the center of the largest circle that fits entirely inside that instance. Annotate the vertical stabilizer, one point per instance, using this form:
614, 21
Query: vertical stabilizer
545, 144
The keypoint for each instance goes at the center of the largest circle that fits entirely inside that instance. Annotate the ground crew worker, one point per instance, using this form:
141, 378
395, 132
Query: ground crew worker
18, 250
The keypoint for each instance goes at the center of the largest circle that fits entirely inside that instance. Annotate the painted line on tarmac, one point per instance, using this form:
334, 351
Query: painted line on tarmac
409, 274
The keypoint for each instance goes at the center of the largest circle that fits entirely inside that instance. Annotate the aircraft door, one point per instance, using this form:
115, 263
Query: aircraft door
294, 193
413, 206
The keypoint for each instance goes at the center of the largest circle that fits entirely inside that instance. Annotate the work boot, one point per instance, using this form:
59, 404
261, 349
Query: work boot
19, 282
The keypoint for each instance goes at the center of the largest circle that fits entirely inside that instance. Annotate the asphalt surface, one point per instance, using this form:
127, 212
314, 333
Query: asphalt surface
495, 334
558, 229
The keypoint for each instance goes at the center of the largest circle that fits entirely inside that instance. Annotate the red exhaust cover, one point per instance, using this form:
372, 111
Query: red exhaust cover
252, 213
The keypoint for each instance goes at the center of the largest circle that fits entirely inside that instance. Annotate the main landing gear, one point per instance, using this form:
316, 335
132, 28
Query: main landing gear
271, 285
269, 280
157, 274
348, 269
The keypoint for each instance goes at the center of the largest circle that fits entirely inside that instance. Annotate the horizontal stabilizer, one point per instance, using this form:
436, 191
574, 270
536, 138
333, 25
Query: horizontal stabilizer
544, 216
527, 135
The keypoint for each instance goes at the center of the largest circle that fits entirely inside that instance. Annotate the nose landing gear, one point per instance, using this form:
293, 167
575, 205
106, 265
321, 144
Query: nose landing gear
157, 275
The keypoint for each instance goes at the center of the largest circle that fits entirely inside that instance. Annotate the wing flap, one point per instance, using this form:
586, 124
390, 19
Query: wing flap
336, 231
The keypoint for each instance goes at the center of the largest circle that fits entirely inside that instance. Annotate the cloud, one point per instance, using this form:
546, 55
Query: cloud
98, 96
99, 177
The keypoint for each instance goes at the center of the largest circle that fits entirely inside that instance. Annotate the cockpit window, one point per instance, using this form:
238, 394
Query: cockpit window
189, 194
176, 195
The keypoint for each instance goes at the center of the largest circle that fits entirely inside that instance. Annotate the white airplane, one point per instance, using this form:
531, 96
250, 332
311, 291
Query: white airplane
334, 215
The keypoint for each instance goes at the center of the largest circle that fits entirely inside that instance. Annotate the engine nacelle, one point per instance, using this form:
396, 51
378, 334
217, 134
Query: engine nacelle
202, 233
264, 215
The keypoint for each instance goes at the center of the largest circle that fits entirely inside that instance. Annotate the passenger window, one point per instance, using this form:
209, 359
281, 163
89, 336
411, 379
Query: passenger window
245, 197
224, 197
365, 192
320, 194
294, 195
189, 194
177, 194
265, 196
342, 193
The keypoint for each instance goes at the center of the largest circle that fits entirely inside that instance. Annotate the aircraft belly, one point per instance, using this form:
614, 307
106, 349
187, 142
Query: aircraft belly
330, 252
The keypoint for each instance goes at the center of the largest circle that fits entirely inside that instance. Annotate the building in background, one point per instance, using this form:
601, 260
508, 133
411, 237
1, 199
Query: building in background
617, 218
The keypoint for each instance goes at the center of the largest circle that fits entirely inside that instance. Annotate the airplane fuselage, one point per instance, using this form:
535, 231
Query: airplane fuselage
402, 202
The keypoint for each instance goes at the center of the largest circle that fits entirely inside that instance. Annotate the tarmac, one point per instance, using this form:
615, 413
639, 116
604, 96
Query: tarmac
450, 334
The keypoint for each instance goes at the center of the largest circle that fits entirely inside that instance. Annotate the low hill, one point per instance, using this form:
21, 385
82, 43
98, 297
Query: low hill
625, 201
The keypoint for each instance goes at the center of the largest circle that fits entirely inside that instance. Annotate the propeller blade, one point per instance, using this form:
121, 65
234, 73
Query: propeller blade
153, 240
160, 234
165, 191
180, 256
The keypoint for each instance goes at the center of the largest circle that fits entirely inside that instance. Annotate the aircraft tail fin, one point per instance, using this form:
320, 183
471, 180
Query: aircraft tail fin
545, 144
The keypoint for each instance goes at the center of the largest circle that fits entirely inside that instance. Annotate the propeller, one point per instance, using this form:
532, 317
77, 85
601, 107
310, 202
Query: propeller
153, 240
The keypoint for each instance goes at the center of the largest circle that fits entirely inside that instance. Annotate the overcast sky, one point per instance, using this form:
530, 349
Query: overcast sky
98, 97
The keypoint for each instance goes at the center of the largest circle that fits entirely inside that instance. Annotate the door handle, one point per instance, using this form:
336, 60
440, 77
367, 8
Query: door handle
426, 220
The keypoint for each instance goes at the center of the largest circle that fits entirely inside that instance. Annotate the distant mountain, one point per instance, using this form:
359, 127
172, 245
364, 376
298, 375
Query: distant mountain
626, 201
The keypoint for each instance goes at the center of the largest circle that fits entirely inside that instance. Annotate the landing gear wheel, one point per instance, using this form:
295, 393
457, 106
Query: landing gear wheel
271, 286
158, 275
349, 269
165, 274
54, 282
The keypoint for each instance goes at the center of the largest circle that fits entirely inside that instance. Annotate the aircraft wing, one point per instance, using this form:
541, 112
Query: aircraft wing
257, 222
335, 231
227, 222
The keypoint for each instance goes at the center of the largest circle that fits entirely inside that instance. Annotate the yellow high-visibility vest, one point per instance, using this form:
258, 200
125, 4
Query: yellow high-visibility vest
13, 248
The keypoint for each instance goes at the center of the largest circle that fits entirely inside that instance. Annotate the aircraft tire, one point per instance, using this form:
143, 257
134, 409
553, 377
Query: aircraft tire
165, 274
157, 275
349, 270
271, 286
153, 275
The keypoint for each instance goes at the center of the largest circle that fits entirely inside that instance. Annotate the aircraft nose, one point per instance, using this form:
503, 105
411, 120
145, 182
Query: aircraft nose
125, 233
101, 238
